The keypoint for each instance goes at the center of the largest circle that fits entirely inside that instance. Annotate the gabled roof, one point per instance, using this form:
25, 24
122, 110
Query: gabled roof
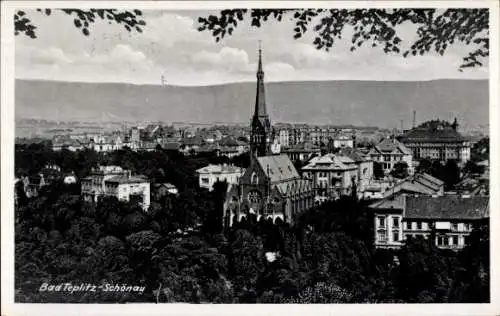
330, 162
280, 169
390, 146
296, 186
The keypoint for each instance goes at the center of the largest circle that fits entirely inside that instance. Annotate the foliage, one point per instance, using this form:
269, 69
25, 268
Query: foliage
436, 30
179, 253
82, 19
481, 150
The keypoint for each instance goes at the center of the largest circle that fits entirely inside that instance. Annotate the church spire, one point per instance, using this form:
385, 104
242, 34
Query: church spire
260, 101
261, 131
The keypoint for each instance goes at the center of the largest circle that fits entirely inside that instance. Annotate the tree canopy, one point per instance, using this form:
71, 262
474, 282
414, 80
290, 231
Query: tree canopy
436, 30
82, 19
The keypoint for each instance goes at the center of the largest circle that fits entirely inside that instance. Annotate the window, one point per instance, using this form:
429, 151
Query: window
381, 221
395, 222
441, 241
395, 236
254, 179
454, 226
382, 237
454, 240
408, 225
466, 240
419, 225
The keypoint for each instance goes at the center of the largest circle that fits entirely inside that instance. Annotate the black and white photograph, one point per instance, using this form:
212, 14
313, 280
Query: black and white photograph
249, 153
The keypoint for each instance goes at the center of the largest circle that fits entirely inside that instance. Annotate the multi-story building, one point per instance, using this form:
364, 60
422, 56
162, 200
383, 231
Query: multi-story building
302, 151
270, 187
449, 218
364, 164
211, 174
437, 140
115, 181
332, 176
389, 152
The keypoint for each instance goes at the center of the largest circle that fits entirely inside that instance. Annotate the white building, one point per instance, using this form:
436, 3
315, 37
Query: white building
343, 141
210, 174
115, 181
450, 217
332, 176
389, 152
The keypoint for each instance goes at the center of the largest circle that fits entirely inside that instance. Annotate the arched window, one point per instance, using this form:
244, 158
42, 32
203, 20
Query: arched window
254, 178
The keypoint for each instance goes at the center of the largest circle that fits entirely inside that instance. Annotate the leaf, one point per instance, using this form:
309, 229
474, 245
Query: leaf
85, 31
78, 23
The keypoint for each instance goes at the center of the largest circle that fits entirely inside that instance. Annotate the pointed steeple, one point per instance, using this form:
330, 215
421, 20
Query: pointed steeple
261, 131
260, 100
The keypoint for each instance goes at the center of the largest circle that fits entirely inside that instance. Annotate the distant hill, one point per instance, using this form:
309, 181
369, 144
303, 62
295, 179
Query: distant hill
364, 103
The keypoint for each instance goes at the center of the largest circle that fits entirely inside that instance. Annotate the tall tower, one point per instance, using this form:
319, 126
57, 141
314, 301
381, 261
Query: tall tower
260, 136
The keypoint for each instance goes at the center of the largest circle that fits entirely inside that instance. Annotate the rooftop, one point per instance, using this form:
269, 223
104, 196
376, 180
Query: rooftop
433, 131
278, 168
224, 168
331, 162
437, 207
127, 179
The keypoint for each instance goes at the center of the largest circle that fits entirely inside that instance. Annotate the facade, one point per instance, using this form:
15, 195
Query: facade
302, 151
364, 164
389, 152
437, 140
210, 174
448, 218
332, 176
117, 182
270, 188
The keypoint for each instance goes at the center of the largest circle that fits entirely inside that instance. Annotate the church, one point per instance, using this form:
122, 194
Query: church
271, 187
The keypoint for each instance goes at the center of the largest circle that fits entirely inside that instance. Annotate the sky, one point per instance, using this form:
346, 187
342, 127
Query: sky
172, 47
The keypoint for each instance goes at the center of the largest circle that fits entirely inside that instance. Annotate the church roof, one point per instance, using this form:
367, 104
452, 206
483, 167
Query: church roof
280, 169
296, 186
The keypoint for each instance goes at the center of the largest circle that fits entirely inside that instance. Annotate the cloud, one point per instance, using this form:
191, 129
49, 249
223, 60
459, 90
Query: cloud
47, 56
228, 58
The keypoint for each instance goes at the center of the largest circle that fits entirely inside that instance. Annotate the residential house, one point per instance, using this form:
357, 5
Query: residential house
210, 174
389, 152
449, 218
331, 175
302, 151
115, 181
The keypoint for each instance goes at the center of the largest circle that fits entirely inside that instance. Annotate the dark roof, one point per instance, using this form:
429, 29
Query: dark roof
447, 207
171, 145
127, 179
281, 168
437, 207
434, 131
